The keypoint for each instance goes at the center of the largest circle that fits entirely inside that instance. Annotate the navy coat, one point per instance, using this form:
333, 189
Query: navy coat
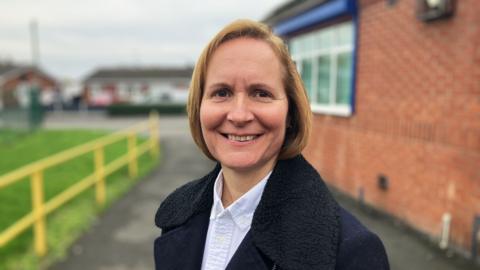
296, 226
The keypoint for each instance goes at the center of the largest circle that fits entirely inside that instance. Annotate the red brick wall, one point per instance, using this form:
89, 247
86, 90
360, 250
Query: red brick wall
417, 118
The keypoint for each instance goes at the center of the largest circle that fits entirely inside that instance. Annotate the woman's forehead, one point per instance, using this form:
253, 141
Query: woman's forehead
244, 58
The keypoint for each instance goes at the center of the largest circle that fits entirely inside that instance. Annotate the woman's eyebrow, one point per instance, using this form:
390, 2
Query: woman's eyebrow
260, 85
218, 85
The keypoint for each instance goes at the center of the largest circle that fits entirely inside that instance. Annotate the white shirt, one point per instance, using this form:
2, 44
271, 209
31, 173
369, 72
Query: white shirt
228, 227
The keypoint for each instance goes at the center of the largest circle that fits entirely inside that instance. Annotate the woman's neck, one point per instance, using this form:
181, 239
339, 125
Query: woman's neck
236, 183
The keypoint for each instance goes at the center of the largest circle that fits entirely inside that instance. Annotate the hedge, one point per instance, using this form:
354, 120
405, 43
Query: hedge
144, 109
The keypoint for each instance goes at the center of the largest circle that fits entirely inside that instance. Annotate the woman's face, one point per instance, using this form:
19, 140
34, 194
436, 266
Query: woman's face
244, 106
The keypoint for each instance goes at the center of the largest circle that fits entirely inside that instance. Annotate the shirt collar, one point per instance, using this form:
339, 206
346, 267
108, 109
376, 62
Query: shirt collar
243, 208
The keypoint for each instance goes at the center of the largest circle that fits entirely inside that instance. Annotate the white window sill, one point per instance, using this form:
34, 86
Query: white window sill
337, 110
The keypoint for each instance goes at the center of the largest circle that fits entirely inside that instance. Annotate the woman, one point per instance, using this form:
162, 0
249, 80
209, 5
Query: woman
263, 206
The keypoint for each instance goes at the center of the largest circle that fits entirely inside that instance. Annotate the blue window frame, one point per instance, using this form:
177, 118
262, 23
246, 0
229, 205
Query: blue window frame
326, 58
325, 61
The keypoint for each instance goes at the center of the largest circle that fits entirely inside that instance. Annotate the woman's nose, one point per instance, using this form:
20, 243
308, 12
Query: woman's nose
240, 111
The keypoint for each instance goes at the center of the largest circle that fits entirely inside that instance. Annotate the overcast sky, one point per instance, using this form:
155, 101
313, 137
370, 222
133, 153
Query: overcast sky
77, 36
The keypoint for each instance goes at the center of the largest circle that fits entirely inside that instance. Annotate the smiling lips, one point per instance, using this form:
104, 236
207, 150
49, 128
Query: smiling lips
238, 138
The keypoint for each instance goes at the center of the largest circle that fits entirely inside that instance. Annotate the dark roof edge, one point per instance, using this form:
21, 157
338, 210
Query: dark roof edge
133, 72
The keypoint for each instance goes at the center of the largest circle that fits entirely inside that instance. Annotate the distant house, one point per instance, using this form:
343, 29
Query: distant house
107, 86
16, 82
395, 91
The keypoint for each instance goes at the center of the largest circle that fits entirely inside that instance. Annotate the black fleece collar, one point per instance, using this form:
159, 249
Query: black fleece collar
296, 223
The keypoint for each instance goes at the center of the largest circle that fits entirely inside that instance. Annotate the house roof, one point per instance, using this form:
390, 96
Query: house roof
290, 9
9, 70
139, 73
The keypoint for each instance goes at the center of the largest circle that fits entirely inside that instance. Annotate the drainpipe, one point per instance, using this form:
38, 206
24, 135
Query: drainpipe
446, 220
475, 237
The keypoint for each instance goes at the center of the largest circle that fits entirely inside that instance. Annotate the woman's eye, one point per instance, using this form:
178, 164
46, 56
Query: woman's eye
262, 94
221, 93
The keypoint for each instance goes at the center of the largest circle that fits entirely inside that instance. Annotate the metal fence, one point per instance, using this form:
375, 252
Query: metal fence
35, 170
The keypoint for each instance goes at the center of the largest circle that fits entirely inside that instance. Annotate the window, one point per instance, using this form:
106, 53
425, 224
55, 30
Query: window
324, 60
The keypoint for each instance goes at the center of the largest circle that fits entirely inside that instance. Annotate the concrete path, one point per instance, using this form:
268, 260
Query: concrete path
123, 237
406, 251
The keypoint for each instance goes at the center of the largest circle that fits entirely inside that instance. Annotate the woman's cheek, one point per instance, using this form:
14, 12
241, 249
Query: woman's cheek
211, 116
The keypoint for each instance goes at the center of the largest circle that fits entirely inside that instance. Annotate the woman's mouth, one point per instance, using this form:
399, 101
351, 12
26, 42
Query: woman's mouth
238, 138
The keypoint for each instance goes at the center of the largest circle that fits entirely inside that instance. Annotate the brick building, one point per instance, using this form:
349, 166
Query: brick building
17, 80
107, 86
395, 90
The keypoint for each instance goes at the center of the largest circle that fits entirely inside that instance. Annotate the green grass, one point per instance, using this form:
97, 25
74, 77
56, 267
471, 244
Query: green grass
68, 222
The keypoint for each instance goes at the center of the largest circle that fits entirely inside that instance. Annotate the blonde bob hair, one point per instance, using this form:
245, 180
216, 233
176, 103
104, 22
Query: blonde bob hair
299, 113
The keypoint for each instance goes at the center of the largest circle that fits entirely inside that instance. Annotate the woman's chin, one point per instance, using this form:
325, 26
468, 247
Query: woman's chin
240, 166
245, 165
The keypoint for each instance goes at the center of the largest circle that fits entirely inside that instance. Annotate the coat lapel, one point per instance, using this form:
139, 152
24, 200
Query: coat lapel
182, 247
248, 257
187, 201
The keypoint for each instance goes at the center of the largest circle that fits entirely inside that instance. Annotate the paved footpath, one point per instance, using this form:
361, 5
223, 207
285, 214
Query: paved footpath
122, 238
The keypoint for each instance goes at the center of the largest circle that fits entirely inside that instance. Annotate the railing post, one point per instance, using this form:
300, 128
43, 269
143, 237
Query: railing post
100, 192
132, 154
154, 134
38, 209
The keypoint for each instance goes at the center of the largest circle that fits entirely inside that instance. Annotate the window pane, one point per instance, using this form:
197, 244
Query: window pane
345, 34
323, 79
324, 38
302, 41
310, 43
294, 47
344, 75
307, 77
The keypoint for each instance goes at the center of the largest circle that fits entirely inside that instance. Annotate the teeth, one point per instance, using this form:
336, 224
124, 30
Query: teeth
241, 138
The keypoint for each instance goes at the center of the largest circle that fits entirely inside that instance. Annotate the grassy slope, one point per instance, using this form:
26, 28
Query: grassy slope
18, 149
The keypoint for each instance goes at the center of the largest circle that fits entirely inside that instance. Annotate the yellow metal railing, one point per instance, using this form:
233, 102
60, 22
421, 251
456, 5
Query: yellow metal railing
40, 208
